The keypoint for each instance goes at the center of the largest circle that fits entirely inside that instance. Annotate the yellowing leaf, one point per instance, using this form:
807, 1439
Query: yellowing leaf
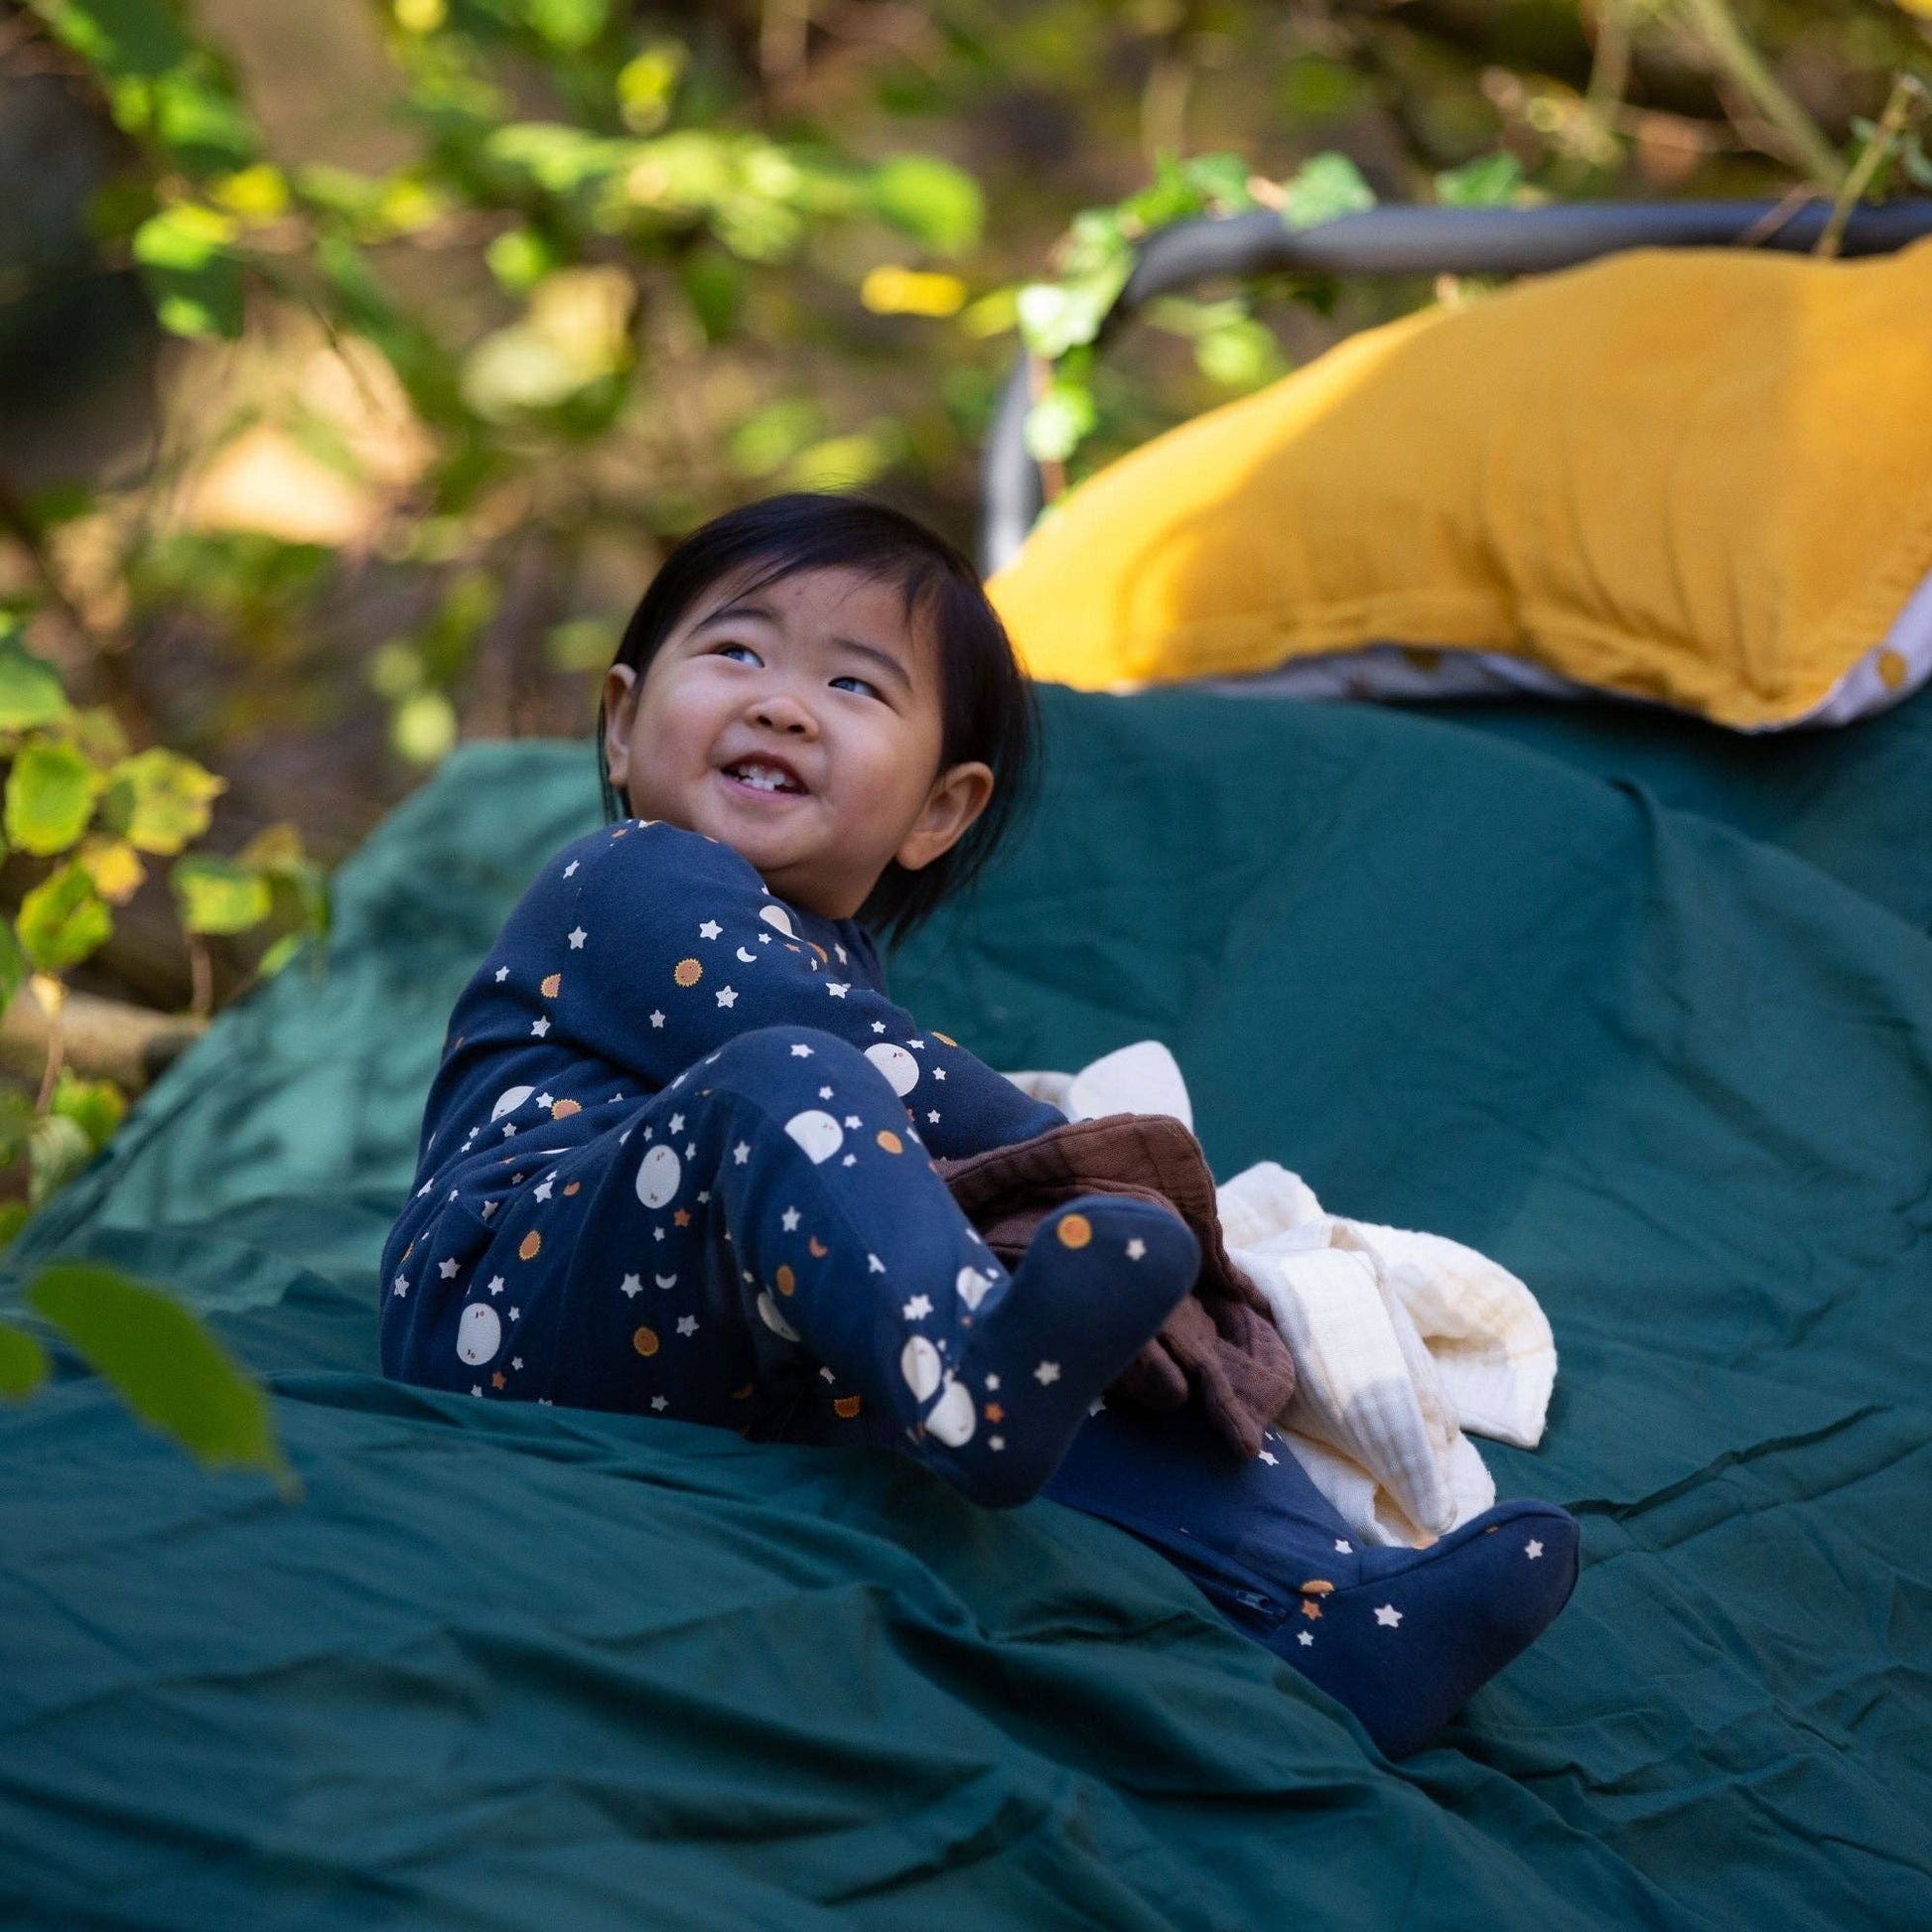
891, 291
115, 867
160, 800
50, 795
218, 895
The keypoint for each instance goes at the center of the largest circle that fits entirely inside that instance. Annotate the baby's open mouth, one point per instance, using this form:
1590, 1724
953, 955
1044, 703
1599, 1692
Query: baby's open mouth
757, 774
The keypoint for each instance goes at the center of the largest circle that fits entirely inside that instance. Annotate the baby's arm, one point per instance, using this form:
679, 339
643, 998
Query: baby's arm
648, 946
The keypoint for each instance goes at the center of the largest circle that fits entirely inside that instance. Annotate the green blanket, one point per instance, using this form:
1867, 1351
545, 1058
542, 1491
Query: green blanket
540, 1668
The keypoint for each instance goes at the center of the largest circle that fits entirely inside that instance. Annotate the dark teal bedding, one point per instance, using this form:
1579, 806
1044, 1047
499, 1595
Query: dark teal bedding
548, 1669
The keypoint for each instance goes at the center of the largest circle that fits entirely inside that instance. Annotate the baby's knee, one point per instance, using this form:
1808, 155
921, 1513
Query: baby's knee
780, 1055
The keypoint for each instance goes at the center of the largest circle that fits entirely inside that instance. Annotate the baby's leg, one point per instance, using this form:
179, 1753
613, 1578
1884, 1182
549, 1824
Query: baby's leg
1402, 1637
844, 1237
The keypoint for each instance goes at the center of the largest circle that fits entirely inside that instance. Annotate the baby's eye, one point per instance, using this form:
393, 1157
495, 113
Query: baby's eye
745, 649
863, 684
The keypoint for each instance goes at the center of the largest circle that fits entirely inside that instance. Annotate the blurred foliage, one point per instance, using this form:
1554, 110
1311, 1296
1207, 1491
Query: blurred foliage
467, 308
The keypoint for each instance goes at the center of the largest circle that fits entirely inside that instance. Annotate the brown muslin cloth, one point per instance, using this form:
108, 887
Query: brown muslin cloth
1218, 1347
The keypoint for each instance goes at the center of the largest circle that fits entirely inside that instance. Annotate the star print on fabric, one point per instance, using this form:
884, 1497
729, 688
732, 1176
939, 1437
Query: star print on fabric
938, 1072
917, 1042
402, 1285
682, 1218
571, 867
677, 1123
703, 1196
837, 991
853, 1120
658, 1402
1305, 1639
425, 1187
1533, 1548
687, 1324
710, 929
917, 1308
765, 938
840, 950
789, 1218
1270, 1457
932, 1116
801, 1052
658, 1020
874, 1266
877, 1026
850, 1161
742, 1153
1345, 1548
993, 1382
509, 1128
1135, 1248
542, 1190
1387, 1616
1095, 1406
453, 1194
546, 1100
516, 1314
502, 973
476, 1388
994, 1413
499, 1380
539, 1028
632, 1286
657, 1234
516, 1362
996, 1442
690, 1150
727, 996
497, 1284
447, 1269
825, 1093
1046, 1372
577, 935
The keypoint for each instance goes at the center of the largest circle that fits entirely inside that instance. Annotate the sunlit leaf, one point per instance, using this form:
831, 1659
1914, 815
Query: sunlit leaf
568, 25
30, 688
217, 895
62, 919
158, 799
96, 1107
423, 729
58, 1148
1325, 186
51, 793
893, 291
931, 199
163, 1362
647, 85
121, 37
195, 278
115, 867
1490, 181
13, 968
23, 1361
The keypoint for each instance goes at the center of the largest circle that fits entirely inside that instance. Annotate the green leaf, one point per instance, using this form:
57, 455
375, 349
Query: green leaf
570, 26
937, 204
1242, 354
62, 919
195, 278
96, 1107
158, 799
164, 1364
50, 795
1490, 181
1059, 420
23, 1361
30, 687
217, 895
14, 1215
58, 1148
1326, 185
122, 37
13, 965
1055, 317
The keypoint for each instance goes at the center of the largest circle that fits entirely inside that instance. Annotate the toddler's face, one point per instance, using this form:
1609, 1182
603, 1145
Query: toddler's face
801, 725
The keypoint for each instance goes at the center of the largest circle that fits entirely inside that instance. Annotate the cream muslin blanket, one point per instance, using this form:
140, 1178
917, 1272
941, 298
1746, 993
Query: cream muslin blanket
1402, 1341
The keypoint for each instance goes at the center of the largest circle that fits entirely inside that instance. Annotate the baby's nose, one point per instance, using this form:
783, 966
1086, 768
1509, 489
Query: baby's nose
783, 713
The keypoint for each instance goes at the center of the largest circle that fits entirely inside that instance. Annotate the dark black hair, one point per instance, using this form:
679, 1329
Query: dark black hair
987, 706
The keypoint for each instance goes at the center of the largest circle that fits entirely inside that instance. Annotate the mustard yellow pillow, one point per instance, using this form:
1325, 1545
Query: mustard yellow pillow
1703, 477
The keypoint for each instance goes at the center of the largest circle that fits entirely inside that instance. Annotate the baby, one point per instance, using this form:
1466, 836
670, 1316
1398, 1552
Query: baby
677, 1157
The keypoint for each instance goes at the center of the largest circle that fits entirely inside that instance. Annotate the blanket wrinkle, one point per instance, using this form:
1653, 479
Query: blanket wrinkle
1399, 1342
1217, 1346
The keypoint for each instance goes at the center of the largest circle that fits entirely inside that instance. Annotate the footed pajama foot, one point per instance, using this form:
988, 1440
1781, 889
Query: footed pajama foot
1401, 1636
1096, 1282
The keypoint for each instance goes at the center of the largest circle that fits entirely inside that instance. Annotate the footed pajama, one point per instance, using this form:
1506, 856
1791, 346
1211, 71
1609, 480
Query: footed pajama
647, 1201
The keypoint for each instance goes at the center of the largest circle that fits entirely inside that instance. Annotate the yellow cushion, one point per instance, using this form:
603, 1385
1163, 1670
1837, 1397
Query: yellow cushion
1700, 476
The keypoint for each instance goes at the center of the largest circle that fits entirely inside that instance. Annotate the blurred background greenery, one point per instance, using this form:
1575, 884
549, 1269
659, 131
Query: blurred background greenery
359, 361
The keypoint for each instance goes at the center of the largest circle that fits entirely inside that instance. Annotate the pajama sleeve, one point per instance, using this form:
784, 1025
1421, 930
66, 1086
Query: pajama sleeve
647, 947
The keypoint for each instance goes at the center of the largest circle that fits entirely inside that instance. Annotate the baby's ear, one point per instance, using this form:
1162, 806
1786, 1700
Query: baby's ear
958, 795
620, 688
